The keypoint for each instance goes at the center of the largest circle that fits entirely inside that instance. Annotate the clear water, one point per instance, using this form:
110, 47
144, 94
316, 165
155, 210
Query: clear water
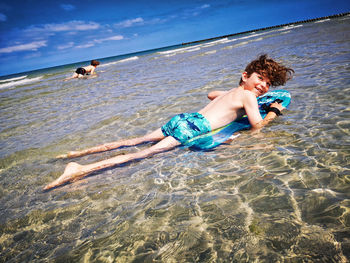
278, 196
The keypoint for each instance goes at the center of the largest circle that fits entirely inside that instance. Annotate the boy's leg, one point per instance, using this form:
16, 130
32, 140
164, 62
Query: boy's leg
75, 171
75, 75
154, 136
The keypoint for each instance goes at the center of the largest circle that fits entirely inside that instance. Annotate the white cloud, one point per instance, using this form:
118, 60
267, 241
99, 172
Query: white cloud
91, 44
3, 17
130, 22
141, 22
67, 7
205, 6
24, 47
65, 46
194, 11
99, 41
159, 20
33, 55
43, 32
117, 37
68, 26
82, 26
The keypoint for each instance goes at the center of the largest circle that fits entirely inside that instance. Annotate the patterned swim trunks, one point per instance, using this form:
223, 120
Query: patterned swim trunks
186, 126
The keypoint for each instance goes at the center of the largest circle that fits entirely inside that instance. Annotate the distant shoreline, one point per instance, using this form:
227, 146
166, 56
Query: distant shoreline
265, 28
72, 64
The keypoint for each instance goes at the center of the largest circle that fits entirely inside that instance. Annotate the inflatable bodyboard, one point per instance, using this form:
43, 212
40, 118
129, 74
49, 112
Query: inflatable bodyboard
220, 135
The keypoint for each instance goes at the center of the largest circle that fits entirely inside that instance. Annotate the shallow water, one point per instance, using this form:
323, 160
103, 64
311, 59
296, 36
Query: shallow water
278, 196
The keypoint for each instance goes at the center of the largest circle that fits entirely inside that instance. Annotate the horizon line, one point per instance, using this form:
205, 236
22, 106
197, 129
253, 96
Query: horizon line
194, 42
269, 27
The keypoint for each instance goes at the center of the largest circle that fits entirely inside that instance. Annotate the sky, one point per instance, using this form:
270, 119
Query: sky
36, 34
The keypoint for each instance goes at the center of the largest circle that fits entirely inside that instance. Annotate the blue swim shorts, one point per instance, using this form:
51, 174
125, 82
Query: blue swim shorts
186, 126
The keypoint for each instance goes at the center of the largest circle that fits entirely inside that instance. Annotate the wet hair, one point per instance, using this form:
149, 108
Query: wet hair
267, 67
95, 63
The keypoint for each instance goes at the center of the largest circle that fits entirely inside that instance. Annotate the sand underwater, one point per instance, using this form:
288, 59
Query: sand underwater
278, 196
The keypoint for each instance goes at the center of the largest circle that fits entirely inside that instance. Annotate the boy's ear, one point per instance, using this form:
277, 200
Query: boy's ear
244, 76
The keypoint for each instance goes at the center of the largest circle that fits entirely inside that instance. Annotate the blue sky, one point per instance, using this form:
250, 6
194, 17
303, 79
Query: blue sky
38, 34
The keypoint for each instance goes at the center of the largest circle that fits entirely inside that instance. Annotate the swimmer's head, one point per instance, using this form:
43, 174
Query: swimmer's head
95, 63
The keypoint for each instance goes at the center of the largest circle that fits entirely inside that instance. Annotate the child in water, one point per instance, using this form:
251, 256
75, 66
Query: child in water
88, 70
225, 107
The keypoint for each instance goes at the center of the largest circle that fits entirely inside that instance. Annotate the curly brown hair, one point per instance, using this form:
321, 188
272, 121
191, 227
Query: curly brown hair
267, 67
95, 63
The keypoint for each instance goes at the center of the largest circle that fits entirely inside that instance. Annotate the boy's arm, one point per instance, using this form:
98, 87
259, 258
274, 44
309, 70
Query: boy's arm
270, 115
216, 93
252, 110
92, 70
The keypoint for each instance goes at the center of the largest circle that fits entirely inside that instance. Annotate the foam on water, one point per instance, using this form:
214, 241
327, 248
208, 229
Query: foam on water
119, 61
12, 79
179, 50
322, 21
15, 82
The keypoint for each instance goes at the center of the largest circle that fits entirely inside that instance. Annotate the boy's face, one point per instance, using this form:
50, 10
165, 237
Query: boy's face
256, 83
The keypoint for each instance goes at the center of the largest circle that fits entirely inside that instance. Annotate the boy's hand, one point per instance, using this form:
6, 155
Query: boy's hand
277, 105
276, 108
270, 116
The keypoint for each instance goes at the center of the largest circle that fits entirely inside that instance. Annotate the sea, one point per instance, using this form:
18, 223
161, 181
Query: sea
280, 195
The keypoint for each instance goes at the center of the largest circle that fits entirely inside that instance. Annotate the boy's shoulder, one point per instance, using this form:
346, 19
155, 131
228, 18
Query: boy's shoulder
89, 68
247, 97
241, 93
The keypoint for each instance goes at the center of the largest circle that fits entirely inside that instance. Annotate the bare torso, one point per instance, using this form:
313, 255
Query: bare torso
89, 69
225, 108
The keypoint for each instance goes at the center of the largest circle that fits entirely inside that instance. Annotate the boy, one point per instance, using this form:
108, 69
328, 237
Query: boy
88, 70
225, 107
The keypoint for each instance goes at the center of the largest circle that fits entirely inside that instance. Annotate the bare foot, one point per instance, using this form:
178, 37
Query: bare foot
73, 172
